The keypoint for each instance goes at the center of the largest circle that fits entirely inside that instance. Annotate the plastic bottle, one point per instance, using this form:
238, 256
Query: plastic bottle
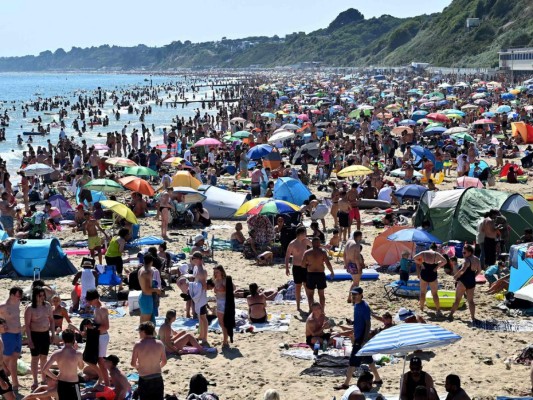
325, 345
278, 299
316, 347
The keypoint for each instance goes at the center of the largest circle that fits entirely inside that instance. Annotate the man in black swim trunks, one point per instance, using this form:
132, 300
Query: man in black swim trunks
314, 260
296, 249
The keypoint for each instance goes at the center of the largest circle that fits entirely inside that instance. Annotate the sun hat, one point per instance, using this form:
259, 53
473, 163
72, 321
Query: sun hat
198, 238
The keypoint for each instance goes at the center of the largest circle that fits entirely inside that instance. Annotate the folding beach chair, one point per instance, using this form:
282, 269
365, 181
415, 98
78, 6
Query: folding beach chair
108, 281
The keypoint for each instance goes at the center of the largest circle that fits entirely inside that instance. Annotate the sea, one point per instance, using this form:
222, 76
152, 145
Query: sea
17, 89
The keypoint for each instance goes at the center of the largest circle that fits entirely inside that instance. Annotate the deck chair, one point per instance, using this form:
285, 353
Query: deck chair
108, 281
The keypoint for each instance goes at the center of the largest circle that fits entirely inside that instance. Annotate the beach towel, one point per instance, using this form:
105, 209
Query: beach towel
221, 244
504, 326
326, 365
145, 241
302, 354
186, 324
115, 311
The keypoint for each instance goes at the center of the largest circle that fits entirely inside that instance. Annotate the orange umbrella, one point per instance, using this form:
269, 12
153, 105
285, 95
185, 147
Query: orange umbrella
387, 252
137, 185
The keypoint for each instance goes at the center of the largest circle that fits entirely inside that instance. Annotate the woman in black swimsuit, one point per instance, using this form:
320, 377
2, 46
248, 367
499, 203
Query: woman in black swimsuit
256, 305
427, 264
466, 281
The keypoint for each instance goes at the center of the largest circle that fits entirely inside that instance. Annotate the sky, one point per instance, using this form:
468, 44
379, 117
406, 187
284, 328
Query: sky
32, 26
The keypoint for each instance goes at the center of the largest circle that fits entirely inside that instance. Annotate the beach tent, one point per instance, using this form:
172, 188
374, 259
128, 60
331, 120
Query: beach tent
220, 203
312, 149
521, 270
467, 181
524, 130
482, 165
58, 201
272, 160
291, 190
455, 214
44, 255
517, 169
96, 196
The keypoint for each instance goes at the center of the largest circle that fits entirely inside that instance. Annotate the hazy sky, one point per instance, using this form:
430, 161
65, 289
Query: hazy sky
31, 26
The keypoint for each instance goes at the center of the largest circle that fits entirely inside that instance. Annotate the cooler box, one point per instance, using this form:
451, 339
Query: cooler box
133, 300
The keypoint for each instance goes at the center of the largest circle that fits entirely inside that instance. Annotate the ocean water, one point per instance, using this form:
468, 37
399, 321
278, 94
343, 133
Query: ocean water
17, 89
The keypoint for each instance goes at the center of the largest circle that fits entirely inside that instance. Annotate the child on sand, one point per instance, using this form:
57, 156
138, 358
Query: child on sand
91, 228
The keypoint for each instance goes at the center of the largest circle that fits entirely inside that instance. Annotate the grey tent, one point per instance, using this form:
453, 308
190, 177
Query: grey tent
220, 203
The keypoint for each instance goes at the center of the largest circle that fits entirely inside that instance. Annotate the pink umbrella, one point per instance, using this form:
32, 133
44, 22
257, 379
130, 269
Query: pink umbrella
207, 142
468, 181
314, 112
483, 121
303, 117
101, 146
437, 117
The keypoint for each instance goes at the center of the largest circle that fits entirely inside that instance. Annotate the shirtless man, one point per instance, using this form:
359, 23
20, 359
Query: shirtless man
101, 320
164, 210
39, 322
148, 358
315, 325
12, 337
296, 249
121, 386
343, 216
68, 361
314, 259
490, 231
7, 213
353, 261
353, 198
146, 300
138, 205
91, 228
6, 390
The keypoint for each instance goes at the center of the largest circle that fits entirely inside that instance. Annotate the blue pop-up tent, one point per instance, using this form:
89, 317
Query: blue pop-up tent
521, 269
291, 190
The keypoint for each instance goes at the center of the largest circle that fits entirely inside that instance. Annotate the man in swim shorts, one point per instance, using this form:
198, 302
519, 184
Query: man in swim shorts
101, 321
353, 261
296, 249
314, 259
91, 228
6, 390
146, 300
12, 337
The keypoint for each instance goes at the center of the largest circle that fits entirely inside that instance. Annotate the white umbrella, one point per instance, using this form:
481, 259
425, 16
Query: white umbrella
190, 195
291, 127
237, 119
400, 173
38, 169
526, 293
455, 129
281, 136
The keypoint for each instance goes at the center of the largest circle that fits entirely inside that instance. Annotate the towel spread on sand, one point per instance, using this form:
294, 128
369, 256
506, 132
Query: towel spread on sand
504, 326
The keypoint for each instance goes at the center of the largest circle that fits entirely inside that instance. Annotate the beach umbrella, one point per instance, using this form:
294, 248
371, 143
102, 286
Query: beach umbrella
481, 102
400, 129
237, 119
207, 142
455, 129
120, 209
175, 161
483, 121
453, 111
290, 127
386, 252
38, 169
469, 107
184, 178
411, 192
508, 96
120, 162
432, 130
139, 185
437, 117
140, 171
400, 173
281, 136
241, 134
525, 293
103, 185
503, 109
190, 195
414, 235
463, 136
268, 115
407, 122
247, 206
259, 151
354, 170
269, 207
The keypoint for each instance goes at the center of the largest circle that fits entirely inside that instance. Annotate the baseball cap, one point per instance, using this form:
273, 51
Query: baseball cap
357, 290
415, 362
114, 359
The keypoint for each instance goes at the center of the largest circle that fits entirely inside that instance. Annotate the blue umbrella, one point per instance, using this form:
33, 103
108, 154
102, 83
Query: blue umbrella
442, 103
508, 96
407, 122
503, 109
259, 151
435, 130
411, 192
488, 114
421, 152
405, 338
512, 115
413, 235
284, 98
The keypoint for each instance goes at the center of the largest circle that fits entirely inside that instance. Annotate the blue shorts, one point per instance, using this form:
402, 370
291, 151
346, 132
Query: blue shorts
146, 304
7, 222
12, 343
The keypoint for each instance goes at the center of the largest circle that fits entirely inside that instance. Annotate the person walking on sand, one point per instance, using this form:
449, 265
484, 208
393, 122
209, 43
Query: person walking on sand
101, 321
91, 228
314, 260
466, 281
39, 323
296, 249
149, 358
164, 209
353, 261
12, 337
427, 264
148, 288
6, 389
68, 361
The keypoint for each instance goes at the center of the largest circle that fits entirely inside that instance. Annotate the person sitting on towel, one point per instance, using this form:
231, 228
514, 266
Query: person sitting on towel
315, 325
414, 378
175, 341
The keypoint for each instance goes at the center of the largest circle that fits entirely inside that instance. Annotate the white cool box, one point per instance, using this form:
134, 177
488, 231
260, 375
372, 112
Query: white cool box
133, 300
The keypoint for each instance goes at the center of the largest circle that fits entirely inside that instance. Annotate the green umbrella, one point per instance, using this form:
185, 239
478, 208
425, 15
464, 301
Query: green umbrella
104, 185
354, 114
140, 171
436, 94
241, 134
465, 136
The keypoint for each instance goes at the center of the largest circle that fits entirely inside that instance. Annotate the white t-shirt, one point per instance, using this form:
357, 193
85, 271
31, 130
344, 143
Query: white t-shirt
187, 155
211, 157
349, 391
385, 193
198, 295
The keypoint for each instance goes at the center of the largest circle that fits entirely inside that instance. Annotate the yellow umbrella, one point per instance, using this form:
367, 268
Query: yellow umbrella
120, 209
514, 91
354, 170
249, 205
184, 178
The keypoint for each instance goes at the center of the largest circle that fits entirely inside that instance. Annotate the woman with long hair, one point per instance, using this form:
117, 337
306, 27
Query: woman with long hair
225, 303
256, 305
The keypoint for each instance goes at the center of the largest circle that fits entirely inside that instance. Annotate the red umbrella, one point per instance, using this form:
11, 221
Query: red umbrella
438, 117
483, 121
303, 117
138, 185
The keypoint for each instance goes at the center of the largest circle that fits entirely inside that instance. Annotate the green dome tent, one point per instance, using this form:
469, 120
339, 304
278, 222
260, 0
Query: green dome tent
455, 214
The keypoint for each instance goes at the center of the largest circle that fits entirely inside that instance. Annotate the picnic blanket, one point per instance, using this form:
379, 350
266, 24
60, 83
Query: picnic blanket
504, 326
114, 311
326, 365
184, 324
220, 244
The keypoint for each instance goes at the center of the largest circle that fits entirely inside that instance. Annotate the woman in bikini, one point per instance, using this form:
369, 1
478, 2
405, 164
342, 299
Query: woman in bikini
219, 278
256, 305
175, 341
164, 210
466, 281
335, 196
427, 264
59, 313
